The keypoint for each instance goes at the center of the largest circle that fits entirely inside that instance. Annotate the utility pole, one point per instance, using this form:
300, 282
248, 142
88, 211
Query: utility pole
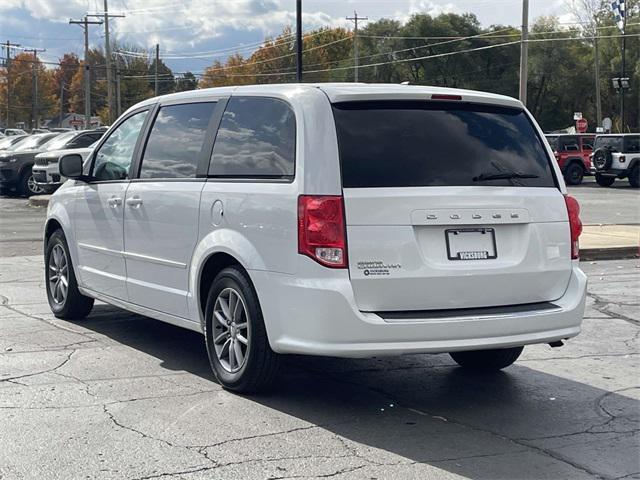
524, 52
107, 50
8, 46
118, 102
355, 19
61, 101
86, 72
299, 40
622, 89
596, 59
35, 108
157, 61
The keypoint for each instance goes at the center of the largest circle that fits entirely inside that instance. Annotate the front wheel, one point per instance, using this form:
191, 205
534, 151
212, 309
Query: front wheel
65, 300
604, 181
28, 185
487, 360
236, 338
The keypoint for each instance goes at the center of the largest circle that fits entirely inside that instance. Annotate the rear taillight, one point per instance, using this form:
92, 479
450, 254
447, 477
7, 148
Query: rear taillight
321, 230
575, 225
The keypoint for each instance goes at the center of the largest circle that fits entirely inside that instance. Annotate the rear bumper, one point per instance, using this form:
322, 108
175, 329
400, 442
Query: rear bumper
318, 316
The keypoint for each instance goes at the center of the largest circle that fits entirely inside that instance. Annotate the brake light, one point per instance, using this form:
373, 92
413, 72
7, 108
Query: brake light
440, 96
575, 225
321, 229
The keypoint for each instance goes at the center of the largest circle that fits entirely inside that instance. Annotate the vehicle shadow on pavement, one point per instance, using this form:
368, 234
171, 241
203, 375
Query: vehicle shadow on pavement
393, 415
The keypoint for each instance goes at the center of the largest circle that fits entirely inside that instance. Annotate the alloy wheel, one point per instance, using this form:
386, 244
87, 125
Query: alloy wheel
58, 274
33, 186
231, 334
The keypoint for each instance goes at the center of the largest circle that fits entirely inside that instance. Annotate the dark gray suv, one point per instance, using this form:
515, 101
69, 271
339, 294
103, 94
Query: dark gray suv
16, 163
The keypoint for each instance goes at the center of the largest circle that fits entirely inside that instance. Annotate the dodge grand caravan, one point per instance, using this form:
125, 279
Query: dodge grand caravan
347, 220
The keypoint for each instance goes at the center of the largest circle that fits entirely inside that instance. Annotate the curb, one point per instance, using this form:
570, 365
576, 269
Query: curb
39, 200
609, 253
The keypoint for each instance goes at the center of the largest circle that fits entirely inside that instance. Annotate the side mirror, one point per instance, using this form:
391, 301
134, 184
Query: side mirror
71, 166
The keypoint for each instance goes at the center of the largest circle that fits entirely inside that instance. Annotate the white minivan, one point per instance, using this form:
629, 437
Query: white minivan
346, 220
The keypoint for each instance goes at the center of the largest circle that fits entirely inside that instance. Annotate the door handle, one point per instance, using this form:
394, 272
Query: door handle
134, 202
114, 202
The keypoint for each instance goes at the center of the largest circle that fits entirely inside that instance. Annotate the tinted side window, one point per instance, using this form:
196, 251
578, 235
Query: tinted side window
114, 157
632, 145
570, 144
83, 141
176, 139
256, 138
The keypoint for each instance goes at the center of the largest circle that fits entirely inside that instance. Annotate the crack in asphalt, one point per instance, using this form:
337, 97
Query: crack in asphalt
48, 370
602, 305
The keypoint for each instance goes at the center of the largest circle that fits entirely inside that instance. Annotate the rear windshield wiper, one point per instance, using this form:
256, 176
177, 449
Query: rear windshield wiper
503, 176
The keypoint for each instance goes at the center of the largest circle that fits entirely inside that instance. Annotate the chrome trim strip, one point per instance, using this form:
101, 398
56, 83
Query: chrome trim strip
96, 248
133, 256
159, 261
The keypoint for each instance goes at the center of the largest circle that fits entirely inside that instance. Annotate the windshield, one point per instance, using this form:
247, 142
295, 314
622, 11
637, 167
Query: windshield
419, 144
59, 141
30, 142
6, 142
613, 142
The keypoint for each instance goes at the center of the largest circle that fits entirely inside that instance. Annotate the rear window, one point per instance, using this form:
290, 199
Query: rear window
418, 143
613, 142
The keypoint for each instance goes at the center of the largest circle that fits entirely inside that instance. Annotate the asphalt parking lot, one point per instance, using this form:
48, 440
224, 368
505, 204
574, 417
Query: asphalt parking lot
123, 396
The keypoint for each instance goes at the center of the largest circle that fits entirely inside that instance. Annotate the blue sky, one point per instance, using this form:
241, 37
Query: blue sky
189, 27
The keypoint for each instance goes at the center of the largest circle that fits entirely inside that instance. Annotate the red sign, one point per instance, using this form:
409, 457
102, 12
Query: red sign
76, 122
582, 125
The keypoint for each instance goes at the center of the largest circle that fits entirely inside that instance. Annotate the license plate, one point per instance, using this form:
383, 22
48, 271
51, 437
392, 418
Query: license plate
471, 244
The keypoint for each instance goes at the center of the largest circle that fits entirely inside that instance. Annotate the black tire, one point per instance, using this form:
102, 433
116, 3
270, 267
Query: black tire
604, 181
487, 360
573, 174
75, 305
260, 364
602, 159
27, 186
634, 176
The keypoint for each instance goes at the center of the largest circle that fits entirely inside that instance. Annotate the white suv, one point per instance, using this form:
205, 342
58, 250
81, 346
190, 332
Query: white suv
347, 220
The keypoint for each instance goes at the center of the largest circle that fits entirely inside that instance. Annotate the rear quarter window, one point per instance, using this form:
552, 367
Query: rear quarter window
421, 143
256, 139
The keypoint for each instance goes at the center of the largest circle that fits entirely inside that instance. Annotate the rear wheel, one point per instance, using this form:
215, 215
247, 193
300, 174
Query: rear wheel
573, 175
487, 360
604, 181
237, 343
634, 176
65, 300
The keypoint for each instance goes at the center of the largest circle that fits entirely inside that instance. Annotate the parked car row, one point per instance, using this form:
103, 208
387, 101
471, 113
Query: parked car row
28, 163
607, 157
